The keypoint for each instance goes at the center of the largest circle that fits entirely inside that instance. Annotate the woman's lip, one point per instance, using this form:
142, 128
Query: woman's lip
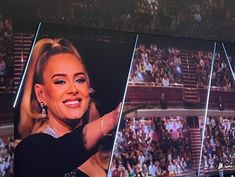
72, 99
72, 103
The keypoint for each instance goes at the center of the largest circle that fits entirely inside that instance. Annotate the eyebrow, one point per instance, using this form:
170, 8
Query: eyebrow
63, 75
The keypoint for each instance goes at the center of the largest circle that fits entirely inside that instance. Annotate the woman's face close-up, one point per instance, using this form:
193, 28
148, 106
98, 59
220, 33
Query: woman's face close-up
65, 90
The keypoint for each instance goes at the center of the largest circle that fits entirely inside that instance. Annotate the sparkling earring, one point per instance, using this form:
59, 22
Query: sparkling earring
43, 108
91, 91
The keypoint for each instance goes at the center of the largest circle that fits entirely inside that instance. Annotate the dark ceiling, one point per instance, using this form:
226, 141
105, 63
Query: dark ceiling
201, 19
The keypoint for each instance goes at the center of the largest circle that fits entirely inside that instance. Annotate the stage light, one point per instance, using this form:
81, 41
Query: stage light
178, 69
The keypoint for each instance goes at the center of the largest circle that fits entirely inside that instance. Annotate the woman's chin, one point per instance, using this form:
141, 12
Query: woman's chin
73, 122
74, 114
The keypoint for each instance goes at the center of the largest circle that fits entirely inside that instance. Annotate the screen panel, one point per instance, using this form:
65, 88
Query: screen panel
160, 116
106, 56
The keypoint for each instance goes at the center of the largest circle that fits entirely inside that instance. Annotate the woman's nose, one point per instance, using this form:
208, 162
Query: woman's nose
72, 88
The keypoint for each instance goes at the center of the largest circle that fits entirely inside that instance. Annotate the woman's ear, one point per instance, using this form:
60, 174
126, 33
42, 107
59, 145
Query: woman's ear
39, 92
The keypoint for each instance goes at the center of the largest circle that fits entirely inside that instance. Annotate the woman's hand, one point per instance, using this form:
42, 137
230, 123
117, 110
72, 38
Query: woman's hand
95, 130
109, 121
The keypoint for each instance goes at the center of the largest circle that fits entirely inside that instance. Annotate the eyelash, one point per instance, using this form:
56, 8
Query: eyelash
59, 82
79, 80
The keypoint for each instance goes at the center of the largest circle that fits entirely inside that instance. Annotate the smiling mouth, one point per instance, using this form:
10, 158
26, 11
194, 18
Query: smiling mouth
73, 103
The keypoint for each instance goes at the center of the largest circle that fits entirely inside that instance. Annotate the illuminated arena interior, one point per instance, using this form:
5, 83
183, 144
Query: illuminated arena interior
178, 117
6, 98
178, 112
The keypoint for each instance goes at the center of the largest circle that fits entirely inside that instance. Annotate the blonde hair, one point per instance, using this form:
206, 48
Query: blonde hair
30, 117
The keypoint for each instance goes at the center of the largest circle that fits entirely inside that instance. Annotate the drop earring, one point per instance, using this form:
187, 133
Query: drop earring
43, 108
91, 91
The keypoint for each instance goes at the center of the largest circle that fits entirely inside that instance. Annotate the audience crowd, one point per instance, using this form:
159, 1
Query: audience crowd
232, 62
202, 61
219, 143
191, 18
222, 77
6, 156
161, 66
152, 147
6, 54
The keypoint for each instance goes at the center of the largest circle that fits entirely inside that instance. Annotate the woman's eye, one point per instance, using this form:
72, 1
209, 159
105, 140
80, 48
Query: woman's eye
59, 82
80, 80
